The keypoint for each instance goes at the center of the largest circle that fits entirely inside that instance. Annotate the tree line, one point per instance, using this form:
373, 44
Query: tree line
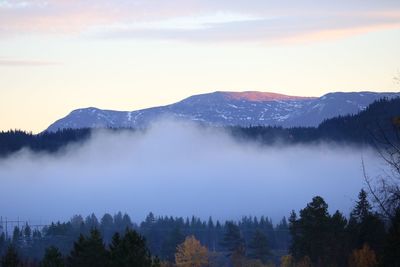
313, 237
163, 234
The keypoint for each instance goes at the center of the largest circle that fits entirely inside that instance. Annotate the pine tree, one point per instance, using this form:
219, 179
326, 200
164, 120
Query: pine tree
52, 258
259, 247
106, 226
311, 232
10, 258
89, 251
392, 247
362, 209
130, 251
27, 233
127, 222
282, 235
233, 241
338, 240
16, 235
365, 226
91, 222
2, 243
174, 238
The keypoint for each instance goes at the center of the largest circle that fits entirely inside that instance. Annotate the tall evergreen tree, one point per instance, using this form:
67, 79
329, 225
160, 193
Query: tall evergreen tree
16, 235
233, 240
392, 246
2, 243
365, 227
259, 247
130, 251
10, 258
52, 258
282, 235
311, 232
106, 226
362, 208
338, 247
91, 222
89, 251
174, 238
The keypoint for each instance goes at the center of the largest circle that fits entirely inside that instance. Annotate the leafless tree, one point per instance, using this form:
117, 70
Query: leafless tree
385, 189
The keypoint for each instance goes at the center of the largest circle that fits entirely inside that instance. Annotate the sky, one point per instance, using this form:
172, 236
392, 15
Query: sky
60, 55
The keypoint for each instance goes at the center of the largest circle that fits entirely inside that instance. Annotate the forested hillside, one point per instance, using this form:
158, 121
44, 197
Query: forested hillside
363, 128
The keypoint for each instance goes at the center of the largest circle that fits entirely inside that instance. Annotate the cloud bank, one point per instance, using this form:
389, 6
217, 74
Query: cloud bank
178, 169
206, 20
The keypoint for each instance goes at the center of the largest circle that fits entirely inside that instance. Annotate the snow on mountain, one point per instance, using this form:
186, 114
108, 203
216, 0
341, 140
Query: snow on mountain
230, 109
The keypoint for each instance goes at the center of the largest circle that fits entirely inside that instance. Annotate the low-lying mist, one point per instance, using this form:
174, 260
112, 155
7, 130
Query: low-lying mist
178, 169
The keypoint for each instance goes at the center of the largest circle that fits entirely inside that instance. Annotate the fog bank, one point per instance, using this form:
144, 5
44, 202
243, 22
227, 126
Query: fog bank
178, 169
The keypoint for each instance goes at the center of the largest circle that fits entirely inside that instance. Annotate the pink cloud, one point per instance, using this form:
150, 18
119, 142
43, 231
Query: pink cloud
277, 21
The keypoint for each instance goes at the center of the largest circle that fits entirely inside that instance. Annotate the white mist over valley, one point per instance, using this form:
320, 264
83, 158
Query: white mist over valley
179, 169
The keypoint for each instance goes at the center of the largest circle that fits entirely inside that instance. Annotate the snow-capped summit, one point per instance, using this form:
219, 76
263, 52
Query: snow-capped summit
231, 109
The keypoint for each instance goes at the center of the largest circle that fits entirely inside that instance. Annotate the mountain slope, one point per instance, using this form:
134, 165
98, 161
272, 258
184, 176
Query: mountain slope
230, 109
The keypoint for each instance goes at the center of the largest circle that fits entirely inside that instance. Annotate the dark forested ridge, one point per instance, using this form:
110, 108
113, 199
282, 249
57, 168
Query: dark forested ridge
363, 128
15, 140
358, 129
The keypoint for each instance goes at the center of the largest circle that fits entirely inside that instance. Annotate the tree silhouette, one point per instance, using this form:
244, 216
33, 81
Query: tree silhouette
10, 258
362, 209
311, 232
392, 247
89, 251
259, 247
52, 258
129, 251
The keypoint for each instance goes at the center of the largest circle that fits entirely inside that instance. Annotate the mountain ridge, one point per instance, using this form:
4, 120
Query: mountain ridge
227, 108
360, 129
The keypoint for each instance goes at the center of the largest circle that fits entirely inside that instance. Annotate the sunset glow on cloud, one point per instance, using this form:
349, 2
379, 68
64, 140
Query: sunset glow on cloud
130, 54
193, 20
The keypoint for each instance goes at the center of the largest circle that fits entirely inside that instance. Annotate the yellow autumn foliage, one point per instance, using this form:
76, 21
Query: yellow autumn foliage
364, 257
191, 253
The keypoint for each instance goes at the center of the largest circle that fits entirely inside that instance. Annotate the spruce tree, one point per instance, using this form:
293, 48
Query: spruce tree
2, 243
16, 235
362, 209
89, 251
392, 247
259, 247
233, 241
311, 232
365, 227
52, 258
10, 258
174, 238
129, 251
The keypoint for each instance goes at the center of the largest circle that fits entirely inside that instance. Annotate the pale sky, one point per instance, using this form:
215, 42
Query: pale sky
60, 55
